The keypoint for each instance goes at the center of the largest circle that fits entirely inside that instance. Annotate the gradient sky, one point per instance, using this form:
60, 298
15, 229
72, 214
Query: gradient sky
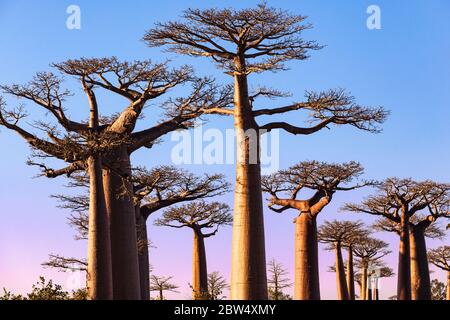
404, 67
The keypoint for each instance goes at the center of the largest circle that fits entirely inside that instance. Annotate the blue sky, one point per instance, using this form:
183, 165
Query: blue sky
403, 67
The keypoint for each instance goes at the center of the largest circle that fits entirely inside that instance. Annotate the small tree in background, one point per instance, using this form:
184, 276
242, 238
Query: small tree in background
368, 253
278, 281
198, 216
161, 285
338, 234
216, 285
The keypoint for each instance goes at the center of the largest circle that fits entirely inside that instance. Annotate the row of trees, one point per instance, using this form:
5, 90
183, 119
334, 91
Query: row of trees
121, 198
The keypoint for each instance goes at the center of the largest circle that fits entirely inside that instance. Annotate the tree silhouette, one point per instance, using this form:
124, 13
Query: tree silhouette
440, 257
398, 200
162, 284
242, 42
216, 285
198, 216
338, 234
278, 281
285, 187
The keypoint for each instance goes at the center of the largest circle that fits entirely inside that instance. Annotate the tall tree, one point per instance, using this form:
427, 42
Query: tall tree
419, 228
338, 234
162, 284
285, 187
242, 42
398, 200
440, 257
110, 139
277, 281
368, 253
198, 216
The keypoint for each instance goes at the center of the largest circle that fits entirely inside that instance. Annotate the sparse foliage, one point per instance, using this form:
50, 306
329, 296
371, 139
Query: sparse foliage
278, 281
161, 285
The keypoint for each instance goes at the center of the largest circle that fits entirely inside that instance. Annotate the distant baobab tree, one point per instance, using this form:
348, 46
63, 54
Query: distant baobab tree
398, 200
105, 144
420, 227
368, 253
278, 281
243, 42
162, 284
199, 216
338, 234
440, 257
324, 180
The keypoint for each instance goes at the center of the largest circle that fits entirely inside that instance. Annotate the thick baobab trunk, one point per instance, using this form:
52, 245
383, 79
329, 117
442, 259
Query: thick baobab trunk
199, 269
306, 284
120, 207
420, 273
350, 274
448, 285
248, 268
99, 275
404, 267
341, 284
143, 254
363, 293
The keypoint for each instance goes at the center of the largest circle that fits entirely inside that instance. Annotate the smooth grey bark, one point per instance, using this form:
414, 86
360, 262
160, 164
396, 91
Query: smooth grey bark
248, 267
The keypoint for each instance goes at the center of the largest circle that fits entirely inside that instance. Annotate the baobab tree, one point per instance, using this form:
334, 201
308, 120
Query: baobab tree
216, 285
243, 42
105, 144
162, 284
160, 188
278, 281
368, 253
440, 257
324, 180
398, 200
420, 227
338, 234
154, 189
199, 216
